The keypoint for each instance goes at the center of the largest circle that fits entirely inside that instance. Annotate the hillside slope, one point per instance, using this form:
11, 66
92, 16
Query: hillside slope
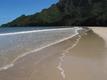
67, 13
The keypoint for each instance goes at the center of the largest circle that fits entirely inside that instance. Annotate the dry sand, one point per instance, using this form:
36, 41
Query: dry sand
79, 58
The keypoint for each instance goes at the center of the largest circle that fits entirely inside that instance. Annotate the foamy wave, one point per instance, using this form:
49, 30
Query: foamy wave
38, 49
33, 31
61, 59
6, 67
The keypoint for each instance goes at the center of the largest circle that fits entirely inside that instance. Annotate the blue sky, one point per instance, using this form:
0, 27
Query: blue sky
10, 9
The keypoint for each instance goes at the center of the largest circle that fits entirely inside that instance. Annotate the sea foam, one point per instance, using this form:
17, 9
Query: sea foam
38, 49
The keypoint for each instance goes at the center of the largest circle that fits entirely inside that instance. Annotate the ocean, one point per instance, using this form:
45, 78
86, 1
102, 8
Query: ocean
20, 41
18, 29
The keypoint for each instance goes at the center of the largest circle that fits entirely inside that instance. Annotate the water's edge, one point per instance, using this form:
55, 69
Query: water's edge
78, 31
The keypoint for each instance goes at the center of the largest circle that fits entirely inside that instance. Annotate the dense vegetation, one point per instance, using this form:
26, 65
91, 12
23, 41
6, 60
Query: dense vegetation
67, 13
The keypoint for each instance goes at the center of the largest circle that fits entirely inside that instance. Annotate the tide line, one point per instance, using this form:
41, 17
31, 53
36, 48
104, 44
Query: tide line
61, 58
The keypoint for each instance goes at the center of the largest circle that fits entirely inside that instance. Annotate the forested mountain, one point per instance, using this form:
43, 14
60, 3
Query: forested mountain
67, 13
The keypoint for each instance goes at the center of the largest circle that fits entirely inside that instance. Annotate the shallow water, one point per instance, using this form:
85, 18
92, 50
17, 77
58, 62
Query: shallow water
13, 46
41, 65
79, 58
18, 29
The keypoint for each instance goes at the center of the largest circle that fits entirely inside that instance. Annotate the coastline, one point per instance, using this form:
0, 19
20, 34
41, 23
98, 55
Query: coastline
82, 57
19, 44
28, 63
55, 47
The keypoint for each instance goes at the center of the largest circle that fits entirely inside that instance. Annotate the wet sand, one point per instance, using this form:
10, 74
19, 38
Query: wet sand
16, 44
80, 58
41, 65
88, 60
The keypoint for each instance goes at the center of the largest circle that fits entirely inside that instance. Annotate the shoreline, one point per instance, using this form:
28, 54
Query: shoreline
77, 58
41, 48
34, 51
39, 57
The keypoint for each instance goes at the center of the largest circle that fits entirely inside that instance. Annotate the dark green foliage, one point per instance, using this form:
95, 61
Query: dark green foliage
67, 13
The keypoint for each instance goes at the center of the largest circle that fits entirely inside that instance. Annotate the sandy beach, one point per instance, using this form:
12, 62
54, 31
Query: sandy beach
83, 57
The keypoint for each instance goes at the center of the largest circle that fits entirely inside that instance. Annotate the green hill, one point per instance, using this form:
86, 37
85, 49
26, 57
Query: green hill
67, 13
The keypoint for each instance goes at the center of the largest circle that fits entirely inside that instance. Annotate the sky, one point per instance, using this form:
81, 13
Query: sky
10, 9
